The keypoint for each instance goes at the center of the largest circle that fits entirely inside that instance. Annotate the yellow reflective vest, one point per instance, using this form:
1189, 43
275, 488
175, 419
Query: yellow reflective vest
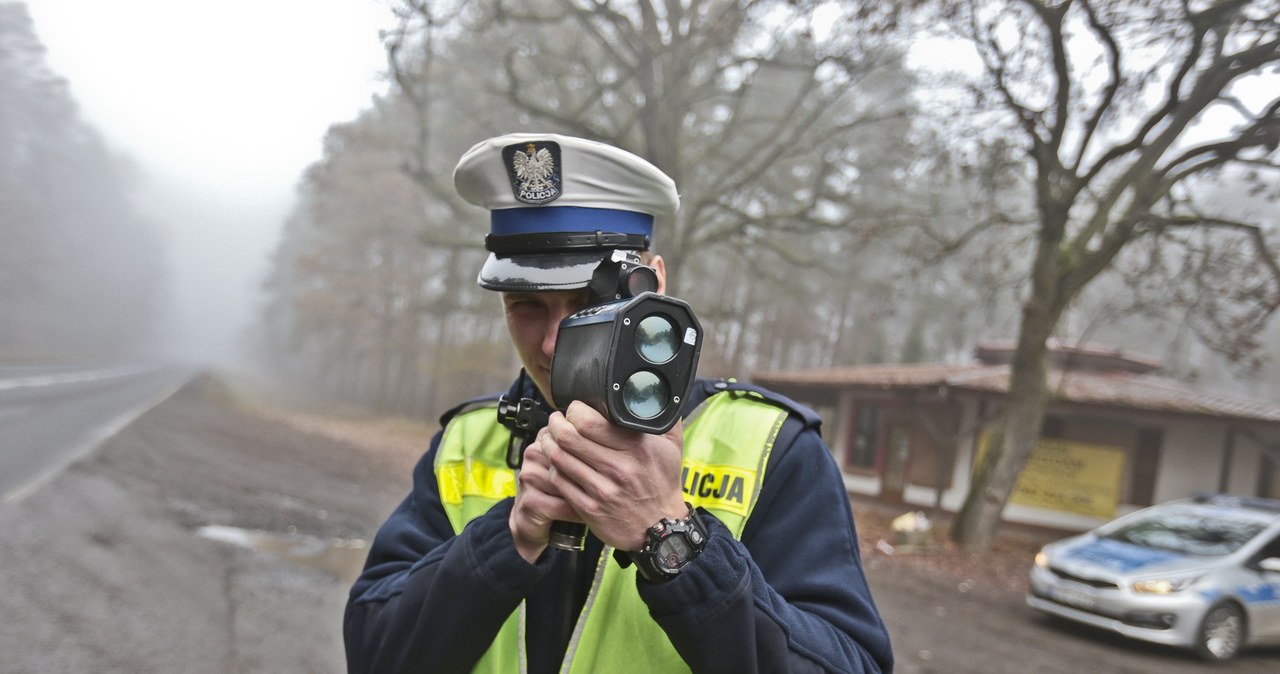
727, 442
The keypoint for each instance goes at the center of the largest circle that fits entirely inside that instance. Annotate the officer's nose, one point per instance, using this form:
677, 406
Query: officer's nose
549, 338
554, 317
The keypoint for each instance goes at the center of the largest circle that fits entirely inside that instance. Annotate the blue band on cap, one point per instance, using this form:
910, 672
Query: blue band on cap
539, 219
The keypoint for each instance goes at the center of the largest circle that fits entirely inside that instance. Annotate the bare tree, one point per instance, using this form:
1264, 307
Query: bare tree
765, 128
789, 147
1120, 114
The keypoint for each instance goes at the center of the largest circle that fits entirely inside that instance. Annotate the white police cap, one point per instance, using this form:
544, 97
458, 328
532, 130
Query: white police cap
558, 206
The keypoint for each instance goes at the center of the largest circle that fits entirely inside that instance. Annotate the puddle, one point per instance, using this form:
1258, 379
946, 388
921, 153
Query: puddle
342, 557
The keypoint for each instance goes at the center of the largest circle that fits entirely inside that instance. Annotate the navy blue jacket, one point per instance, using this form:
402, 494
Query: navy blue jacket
789, 597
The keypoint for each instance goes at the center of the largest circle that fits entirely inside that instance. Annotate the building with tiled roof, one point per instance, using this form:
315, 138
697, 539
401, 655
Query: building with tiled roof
1117, 436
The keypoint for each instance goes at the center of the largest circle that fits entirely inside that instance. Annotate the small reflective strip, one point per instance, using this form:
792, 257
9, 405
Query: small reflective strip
520, 639
764, 459
473, 478
586, 609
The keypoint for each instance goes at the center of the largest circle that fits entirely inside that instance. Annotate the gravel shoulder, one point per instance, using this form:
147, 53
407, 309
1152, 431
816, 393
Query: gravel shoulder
104, 569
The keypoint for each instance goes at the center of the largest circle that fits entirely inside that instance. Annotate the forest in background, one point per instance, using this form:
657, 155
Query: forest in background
82, 274
839, 206
843, 200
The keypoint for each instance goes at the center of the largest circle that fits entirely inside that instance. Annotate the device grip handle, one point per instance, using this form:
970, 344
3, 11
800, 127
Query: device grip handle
568, 536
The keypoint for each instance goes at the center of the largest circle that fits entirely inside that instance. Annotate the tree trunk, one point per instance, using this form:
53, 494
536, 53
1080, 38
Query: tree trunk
1015, 434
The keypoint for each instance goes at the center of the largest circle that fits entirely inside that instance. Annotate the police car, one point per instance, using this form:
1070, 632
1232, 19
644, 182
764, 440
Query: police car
1201, 573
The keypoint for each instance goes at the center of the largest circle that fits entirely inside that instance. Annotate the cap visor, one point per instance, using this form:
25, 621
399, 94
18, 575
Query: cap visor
536, 272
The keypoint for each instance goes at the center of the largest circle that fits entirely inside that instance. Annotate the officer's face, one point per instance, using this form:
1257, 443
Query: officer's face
533, 319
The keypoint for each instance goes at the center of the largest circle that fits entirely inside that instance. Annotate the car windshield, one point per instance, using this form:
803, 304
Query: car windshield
1185, 532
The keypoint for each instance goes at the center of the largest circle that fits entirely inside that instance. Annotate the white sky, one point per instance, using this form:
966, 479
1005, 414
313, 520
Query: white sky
222, 105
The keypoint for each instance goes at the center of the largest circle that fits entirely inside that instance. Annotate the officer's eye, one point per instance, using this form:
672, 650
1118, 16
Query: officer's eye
521, 304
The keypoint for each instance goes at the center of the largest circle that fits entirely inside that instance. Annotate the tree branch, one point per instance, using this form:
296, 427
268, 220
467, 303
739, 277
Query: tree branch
1109, 92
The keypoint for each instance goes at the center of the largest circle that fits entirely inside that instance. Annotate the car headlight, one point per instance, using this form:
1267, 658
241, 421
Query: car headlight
1042, 560
1164, 585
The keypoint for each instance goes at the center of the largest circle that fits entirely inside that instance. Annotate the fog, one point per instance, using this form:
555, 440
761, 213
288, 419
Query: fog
217, 110
217, 252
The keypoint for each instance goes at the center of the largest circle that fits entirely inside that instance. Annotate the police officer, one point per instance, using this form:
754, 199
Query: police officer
725, 545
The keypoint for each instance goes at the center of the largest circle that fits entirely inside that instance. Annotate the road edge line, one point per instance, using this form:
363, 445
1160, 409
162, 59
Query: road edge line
92, 442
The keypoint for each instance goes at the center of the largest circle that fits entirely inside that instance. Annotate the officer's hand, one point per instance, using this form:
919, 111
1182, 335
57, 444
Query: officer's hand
538, 504
619, 481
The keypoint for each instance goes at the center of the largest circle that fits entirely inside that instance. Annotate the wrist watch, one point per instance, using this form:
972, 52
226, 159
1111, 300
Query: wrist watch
670, 545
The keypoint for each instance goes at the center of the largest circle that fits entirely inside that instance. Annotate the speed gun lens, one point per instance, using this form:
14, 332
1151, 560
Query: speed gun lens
656, 339
633, 360
645, 394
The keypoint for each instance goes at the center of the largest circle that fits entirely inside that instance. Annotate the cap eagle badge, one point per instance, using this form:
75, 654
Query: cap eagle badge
534, 172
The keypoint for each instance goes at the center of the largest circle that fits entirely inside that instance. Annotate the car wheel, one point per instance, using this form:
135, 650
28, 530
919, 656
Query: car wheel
1221, 633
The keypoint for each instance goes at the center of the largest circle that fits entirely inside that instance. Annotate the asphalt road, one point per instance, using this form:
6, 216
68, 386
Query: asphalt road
942, 624
51, 416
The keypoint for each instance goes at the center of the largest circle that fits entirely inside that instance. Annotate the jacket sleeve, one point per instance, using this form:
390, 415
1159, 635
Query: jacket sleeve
791, 596
428, 600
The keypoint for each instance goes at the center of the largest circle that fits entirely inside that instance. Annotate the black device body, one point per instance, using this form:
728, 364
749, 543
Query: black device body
634, 361
631, 354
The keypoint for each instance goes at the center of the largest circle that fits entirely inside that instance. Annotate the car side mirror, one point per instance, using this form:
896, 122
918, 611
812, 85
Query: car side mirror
1270, 564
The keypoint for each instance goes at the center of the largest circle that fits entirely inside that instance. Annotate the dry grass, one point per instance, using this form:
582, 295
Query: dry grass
396, 443
391, 443
1004, 567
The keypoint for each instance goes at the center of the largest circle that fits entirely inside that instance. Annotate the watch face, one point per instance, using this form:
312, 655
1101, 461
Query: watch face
673, 551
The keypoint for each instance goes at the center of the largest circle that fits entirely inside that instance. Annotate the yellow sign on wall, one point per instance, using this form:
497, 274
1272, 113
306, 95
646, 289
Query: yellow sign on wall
1070, 476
